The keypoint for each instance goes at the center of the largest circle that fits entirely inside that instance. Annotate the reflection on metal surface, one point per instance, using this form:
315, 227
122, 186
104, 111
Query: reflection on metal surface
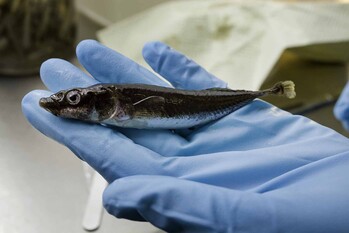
33, 31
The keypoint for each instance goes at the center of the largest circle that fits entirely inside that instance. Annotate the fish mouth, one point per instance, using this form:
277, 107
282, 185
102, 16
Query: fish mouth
49, 105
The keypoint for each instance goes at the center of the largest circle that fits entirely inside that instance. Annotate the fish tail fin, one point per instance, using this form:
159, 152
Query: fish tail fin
284, 88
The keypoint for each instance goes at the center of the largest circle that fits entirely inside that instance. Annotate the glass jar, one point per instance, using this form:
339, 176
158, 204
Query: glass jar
32, 31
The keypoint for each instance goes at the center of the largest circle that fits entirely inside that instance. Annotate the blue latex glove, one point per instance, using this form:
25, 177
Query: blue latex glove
259, 169
341, 110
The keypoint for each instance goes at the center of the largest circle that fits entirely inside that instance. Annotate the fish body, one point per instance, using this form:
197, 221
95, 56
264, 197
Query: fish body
147, 106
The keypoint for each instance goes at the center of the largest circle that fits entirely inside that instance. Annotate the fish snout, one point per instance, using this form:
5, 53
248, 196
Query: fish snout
49, 104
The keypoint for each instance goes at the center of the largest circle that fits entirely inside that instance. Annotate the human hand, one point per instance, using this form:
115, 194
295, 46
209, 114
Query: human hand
259, 169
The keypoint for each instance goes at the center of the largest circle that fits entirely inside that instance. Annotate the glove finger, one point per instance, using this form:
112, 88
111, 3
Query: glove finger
109, 152
180, 71
317, 193
259, 125
58, 75
177, 205
109, 66
341, 109
164, 142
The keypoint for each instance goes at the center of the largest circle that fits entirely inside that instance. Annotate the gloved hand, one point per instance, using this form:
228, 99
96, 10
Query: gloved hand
259, 169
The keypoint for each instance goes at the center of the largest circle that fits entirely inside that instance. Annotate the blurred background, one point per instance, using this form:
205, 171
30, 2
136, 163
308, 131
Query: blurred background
249, 44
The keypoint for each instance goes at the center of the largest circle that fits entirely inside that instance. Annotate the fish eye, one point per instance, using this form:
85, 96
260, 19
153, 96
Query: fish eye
73, 97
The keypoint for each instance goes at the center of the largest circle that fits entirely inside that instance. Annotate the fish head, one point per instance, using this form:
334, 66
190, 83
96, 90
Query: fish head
95, 103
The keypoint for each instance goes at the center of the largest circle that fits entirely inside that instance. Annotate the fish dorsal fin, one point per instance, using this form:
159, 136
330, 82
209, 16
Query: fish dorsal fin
219, 89
156, 99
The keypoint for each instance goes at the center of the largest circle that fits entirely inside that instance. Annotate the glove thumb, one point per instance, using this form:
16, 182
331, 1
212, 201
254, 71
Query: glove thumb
177, 205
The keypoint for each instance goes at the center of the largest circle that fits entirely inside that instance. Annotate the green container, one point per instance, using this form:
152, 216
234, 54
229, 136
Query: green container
32, 31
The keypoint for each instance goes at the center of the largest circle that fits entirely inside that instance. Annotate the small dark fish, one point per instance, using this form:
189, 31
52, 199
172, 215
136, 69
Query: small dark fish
146, 106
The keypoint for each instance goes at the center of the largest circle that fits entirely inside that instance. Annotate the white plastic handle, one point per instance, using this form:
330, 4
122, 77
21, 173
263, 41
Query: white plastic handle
94, 208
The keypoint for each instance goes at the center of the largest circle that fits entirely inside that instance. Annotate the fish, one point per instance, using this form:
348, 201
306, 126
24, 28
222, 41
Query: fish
145, 106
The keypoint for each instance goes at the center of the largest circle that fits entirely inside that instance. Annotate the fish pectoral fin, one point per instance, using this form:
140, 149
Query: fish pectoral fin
155, 99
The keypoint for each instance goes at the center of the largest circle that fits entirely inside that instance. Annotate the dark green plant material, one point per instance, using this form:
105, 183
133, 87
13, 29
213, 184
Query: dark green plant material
32, 31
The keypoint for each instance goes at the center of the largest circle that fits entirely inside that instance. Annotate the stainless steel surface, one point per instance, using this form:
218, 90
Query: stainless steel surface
42, 187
